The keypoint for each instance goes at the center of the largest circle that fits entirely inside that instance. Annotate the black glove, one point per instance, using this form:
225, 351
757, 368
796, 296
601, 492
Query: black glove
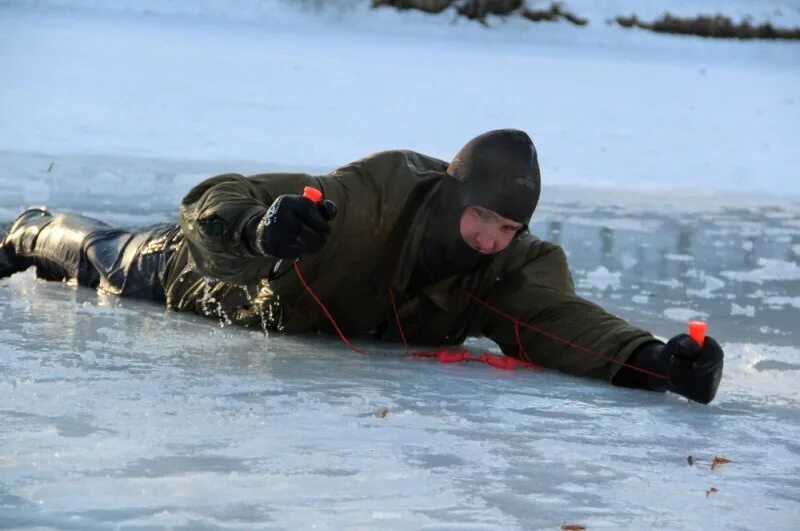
690, 370
696, 371
294, 226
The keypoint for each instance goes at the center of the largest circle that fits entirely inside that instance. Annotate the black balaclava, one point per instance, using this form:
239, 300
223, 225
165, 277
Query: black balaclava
497, 170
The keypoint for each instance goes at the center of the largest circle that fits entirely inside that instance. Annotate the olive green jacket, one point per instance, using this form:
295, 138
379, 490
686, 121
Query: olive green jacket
382, 205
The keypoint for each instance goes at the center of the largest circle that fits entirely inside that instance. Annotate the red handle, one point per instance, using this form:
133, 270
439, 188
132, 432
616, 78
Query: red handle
697, 331
503, 362
446, 356
309, 192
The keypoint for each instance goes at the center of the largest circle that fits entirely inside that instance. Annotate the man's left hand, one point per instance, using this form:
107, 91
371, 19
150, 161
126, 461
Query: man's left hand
681, 366
694, 371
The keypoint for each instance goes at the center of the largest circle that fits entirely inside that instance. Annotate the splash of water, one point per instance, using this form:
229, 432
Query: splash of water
211, 307
253, 300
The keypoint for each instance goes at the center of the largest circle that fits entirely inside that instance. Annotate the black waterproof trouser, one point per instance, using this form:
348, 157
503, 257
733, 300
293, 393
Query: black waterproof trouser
130, 263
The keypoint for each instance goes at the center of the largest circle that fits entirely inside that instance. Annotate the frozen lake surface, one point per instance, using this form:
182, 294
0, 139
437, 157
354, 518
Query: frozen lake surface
670, 169
116, 412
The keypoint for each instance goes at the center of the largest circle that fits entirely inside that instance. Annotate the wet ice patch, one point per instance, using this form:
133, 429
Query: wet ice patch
769, 371
768, 269
35, 191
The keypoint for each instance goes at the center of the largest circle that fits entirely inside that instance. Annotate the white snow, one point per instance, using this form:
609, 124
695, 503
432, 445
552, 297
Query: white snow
672, 283
679, 257
769, 269
628, 261
711, 284
684, 314
118, 414
630, 223
782, 301
600, 279
747, 310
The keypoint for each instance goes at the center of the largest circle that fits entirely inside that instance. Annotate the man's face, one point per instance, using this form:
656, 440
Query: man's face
486, 231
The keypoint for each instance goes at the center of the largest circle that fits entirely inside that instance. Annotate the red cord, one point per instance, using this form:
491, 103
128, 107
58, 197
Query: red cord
447, 356
561, 339
397, 320
324, 309
521, 353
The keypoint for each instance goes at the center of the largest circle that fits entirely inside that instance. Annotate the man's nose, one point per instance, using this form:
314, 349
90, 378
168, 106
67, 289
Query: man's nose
487, 242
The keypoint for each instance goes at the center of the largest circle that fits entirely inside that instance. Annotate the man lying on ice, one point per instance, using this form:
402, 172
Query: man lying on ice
404, 247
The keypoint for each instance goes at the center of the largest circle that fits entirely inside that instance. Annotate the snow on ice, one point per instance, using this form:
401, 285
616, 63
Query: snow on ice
600, 279
768, 269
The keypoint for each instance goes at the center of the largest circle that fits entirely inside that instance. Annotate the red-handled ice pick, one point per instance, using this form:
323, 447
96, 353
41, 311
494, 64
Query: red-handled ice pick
309, 192
697, 331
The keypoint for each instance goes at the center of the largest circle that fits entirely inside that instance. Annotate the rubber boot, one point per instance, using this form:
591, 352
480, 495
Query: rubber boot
56, 245
17, 245
6, 261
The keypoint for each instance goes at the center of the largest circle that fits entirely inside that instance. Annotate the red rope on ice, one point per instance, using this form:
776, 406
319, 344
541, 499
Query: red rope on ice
459, 356
441, 355
463, 355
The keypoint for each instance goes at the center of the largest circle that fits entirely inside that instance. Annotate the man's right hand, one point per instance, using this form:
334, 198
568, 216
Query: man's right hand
294, 226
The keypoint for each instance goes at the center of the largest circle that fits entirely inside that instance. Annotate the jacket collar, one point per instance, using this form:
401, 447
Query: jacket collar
441, 293
413, 243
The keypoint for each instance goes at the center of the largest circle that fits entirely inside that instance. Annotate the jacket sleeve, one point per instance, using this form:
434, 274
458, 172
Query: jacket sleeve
557, 328
212, 216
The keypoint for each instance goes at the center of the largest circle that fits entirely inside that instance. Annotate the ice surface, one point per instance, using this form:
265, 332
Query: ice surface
119, 413
116, 413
